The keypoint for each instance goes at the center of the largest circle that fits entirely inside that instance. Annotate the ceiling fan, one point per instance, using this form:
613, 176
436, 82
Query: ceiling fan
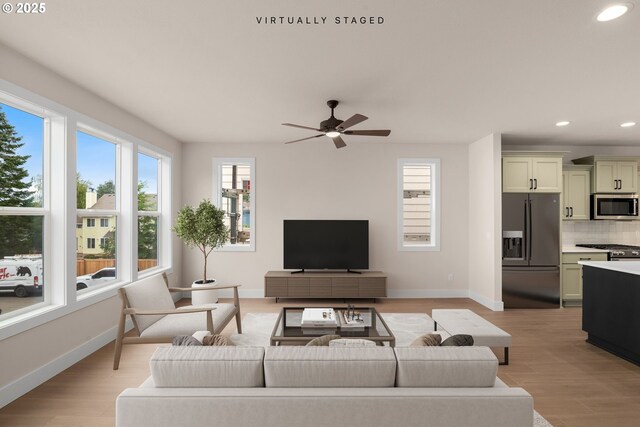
334, 128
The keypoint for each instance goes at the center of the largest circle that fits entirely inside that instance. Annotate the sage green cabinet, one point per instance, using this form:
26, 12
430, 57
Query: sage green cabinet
572, 275
530, 174
576, 189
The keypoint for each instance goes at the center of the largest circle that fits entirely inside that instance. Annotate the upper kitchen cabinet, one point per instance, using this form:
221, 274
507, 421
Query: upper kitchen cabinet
531, 172
612, 174
576, 189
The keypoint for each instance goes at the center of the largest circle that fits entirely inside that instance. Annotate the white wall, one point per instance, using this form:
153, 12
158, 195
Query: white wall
485, 222
314, 180
30, 357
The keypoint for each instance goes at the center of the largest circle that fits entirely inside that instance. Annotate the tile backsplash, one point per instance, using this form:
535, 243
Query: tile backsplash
622, 232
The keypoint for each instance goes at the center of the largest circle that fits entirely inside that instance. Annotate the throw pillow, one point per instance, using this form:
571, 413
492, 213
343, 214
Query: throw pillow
345, 342
427, 340
199, 335
216, 340
459, 340
322, 341
185, 340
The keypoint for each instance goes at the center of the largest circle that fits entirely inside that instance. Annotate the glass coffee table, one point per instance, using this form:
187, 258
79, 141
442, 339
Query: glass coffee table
289, 331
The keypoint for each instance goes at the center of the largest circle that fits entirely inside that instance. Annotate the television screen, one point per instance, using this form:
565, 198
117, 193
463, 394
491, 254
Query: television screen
326, 244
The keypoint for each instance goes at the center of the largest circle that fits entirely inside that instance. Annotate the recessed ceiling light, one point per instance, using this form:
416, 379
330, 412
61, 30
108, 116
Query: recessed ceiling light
562, 123
627, 124
613, 12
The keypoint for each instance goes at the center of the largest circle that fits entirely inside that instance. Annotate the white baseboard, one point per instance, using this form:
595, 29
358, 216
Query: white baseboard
19, 387
487, 302
428, 293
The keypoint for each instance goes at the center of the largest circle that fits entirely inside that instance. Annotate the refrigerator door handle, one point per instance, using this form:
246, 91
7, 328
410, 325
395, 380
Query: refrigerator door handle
530, 233
526, 234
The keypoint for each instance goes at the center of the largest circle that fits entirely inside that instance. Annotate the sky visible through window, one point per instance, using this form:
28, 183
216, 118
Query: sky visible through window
96, 159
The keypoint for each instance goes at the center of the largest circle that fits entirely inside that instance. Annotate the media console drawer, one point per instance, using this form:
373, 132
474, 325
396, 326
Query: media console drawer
284, 284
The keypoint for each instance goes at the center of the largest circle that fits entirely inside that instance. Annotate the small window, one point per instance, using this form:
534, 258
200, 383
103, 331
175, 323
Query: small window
104, 222
234, 192
418, 204
91, 243
91, 222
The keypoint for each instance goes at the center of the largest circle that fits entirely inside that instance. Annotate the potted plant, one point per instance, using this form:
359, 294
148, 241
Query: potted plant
202, 227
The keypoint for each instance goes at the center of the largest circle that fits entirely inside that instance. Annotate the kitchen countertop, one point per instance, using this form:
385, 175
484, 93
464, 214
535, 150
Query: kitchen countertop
630, 267
579, 250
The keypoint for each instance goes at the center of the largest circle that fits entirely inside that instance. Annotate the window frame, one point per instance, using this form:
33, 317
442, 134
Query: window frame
434, 163
60, 213
161, 237
218, 163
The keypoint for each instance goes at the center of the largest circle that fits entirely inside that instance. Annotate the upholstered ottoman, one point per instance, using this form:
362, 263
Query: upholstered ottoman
463, 321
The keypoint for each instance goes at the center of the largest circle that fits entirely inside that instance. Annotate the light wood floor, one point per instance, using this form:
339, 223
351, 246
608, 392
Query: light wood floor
573, 383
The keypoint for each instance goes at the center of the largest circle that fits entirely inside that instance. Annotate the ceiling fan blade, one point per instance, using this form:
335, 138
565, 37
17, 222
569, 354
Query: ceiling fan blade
339, 142
304, 139
353, 120
382, 132
301, 127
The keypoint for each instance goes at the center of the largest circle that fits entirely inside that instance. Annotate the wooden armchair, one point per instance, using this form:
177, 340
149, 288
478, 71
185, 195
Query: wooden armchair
157, 320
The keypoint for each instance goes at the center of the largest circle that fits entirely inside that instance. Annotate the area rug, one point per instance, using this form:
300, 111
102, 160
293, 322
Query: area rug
406, 327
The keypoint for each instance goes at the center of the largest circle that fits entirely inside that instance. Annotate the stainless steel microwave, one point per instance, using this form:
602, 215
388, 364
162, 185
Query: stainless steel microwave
614, 206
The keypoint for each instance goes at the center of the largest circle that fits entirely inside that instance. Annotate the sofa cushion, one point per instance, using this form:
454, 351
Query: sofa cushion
292, 366
323, 340
459, 340
216, 340
428, 340
446, 367
207, 366
185, 340
352, 342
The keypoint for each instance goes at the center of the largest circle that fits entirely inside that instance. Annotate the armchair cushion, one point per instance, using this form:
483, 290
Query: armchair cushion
172, 325
151, 294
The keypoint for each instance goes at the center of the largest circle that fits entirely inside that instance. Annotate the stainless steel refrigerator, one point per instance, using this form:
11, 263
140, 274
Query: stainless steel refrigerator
530, 250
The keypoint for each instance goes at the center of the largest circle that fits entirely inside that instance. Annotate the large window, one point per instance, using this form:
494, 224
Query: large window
234, 192
97, 195
148, 211
50, 155
418, 204
22, 209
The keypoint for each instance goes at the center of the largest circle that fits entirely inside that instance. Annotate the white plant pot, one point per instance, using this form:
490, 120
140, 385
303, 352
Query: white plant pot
204, 297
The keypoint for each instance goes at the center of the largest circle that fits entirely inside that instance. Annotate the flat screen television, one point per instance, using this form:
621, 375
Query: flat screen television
326, 244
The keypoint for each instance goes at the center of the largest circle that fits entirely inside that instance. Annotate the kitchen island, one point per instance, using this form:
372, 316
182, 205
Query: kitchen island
611, 306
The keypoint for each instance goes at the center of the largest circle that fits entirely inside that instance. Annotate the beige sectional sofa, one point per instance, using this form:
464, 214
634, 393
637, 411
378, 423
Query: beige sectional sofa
324, 386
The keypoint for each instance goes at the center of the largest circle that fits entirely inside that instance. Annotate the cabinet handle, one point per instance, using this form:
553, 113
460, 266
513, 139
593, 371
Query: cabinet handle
571, 208
567, 214
585, 259
530, 184
615, 184
620, 186
535, 180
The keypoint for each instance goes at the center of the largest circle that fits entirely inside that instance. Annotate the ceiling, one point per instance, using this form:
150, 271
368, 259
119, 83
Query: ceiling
436, 71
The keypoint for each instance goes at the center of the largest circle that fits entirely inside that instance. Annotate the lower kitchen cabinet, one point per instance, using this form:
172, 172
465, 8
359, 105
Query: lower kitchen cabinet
572, 275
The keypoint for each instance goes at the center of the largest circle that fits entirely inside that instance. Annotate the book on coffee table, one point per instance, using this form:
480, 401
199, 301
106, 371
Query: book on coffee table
319, 318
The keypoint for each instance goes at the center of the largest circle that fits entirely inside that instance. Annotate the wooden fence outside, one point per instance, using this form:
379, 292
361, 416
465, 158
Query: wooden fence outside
90, 266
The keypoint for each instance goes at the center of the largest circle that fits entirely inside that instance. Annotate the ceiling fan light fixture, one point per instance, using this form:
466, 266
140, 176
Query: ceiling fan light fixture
613, 12
332, 134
